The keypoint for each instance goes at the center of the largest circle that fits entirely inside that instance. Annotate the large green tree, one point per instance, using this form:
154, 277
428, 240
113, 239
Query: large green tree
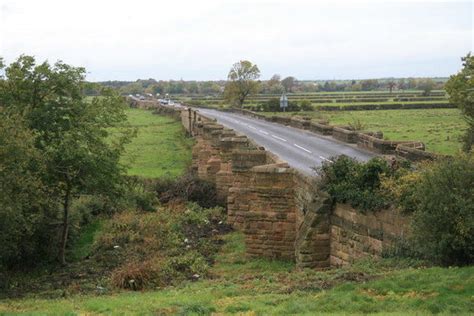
460, 88
70, 132
25, 215
241, 82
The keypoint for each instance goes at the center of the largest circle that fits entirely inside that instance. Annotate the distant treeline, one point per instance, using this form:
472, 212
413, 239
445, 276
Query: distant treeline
273, 86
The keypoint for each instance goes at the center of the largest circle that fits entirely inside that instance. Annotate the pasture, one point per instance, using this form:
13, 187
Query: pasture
159, 149
439, 129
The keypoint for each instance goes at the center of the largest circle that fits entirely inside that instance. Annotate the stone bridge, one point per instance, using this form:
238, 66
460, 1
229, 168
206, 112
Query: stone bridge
281, 211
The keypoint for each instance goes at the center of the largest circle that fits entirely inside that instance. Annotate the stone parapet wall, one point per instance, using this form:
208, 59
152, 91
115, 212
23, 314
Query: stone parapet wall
414, 154
368, 141
344, 134
355, 235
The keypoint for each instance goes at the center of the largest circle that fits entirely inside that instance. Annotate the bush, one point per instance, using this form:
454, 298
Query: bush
272, 105
349, 181
468, 137
443, 222
135, 275
357, 125
293, 107
401, 189
138, 194
147, 250
186, 188
305, 105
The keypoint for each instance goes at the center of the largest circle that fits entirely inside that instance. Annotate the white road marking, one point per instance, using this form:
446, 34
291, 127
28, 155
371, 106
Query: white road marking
302, 148
252, 127
263, 132
274, 136
323, 158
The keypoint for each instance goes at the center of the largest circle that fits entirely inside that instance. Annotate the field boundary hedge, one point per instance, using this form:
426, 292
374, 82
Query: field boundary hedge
394, 106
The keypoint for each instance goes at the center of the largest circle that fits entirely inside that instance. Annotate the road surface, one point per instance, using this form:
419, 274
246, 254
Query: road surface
302, 150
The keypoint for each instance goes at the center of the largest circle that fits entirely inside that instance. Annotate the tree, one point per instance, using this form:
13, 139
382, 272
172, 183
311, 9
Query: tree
426, 85
289, 83
241, 82
443, 221
71, 133
356, 87
402, 85
460, 88
273, 85
25, 233
412, 83
369, 85
391, 84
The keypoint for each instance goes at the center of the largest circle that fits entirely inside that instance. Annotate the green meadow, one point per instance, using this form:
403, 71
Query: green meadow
439, 129
159, 149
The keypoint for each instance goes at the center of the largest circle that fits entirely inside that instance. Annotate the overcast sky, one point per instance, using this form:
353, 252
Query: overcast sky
201, 39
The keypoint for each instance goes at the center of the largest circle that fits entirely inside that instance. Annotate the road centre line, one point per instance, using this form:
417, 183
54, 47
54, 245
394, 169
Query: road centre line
303, 148
323, 158
263, 132
277, 137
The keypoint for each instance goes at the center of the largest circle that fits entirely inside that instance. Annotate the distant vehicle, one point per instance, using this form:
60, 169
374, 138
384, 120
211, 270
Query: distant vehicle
141, 97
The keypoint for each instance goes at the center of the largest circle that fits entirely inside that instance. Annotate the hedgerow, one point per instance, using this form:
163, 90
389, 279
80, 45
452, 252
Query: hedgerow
349, 181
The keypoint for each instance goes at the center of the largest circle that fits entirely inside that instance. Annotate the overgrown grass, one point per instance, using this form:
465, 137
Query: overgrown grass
439, 129
160, 148
83, 246
262, 287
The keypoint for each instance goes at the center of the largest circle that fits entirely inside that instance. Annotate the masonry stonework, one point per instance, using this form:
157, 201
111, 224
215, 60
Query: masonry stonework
355, 235
280, 211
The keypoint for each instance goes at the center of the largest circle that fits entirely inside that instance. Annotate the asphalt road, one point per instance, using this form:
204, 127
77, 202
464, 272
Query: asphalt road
301, 149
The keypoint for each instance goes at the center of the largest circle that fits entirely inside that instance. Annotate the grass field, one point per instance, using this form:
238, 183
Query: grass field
439, 129
160, 148
260, 287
